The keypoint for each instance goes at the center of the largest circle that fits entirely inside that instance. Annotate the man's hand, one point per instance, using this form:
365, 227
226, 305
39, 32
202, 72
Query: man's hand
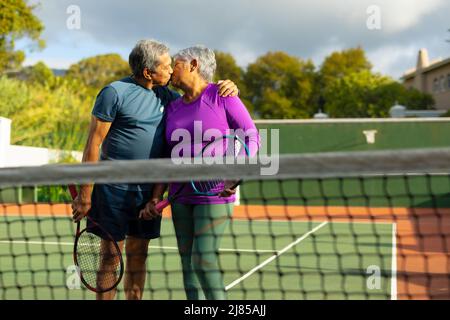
227, 88
80, 207
150, 212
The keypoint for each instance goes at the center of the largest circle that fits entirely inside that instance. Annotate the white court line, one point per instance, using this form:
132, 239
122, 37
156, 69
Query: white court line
35, 242
151, 247
394, 263
311, 221
279, 253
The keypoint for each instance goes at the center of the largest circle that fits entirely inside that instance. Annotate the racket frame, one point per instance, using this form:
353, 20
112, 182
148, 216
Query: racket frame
74, 193
166, 202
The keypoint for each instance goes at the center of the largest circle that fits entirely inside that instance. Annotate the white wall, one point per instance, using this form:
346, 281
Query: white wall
5, 138
20, 156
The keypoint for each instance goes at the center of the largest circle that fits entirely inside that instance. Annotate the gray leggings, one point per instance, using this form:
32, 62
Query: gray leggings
199, 229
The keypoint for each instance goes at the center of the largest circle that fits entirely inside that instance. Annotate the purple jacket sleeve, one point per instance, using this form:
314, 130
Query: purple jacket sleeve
239, 119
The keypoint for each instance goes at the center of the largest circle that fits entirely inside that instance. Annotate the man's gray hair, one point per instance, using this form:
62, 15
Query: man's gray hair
205, 57
146, 54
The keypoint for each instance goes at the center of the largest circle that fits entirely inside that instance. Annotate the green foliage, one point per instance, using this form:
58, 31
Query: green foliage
342, 63
98, 71
364, 94
275, 105
281, 86
14, 95
335, 67
416, 100
57, 118
39, 74
227, 68
17, 21
387, 95
53, 194
351, 95
447, 114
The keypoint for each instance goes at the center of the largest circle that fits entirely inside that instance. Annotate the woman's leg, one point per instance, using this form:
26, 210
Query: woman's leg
182, 216
210, 222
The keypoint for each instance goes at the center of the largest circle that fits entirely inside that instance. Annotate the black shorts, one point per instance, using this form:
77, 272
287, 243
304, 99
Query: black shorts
117, 211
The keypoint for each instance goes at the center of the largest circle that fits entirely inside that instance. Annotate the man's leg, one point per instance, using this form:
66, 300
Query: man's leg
105, 203
135, 270
108, 265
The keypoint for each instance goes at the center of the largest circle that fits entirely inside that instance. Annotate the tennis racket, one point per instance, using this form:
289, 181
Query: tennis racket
88, 253
225, 147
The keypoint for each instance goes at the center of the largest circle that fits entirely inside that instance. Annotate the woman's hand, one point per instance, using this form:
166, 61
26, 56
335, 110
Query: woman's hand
228, 189
149, 212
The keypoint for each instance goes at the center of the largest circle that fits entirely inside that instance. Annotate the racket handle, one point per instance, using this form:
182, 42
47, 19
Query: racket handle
73, 191
162, 204
236, 184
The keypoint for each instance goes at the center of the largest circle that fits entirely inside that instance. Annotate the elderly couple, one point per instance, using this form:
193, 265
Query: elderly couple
134, 118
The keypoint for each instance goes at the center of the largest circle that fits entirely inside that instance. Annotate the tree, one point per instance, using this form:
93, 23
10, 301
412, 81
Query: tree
99, 70
385, 96
277, 106
364, 94
351, 96
281, 86
57, 118
17, 21
339, 64
227, 68
39, 73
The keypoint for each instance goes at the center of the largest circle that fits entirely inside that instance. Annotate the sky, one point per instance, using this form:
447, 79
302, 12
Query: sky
390, 31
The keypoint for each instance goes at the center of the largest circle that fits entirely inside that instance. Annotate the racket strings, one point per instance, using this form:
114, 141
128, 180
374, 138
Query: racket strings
222, 148
212, 186
93, 259
219, 149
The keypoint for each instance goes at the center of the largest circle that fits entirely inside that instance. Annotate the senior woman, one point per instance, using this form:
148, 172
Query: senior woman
200, 221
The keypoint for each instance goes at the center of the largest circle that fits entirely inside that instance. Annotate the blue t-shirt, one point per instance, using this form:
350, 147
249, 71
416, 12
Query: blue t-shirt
138, 122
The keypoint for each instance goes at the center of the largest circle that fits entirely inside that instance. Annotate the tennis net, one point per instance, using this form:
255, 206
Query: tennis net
363, 225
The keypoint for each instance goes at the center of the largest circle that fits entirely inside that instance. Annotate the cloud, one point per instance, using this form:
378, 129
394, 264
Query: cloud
391, 59
403, 14
322, 52
54, 62
248, 28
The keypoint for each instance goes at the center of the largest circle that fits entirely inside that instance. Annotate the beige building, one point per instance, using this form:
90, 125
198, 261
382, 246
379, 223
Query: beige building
431, 77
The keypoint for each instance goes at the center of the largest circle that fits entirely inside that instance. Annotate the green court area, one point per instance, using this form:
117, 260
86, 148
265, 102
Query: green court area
260, 260
408, 191
337, 135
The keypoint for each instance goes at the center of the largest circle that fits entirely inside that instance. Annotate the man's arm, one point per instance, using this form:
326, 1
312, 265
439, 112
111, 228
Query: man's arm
227, 88
97, 133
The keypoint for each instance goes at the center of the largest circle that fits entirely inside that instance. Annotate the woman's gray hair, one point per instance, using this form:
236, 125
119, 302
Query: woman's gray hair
146, 54
205, 57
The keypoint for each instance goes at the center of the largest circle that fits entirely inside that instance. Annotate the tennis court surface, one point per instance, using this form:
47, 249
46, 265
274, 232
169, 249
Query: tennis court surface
336, 226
